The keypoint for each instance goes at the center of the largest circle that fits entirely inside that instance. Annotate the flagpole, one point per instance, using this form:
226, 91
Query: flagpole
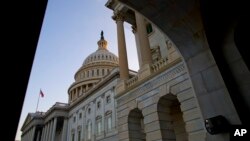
38, 100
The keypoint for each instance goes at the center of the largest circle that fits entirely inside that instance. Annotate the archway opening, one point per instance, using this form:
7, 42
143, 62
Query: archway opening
171, 121
136, 126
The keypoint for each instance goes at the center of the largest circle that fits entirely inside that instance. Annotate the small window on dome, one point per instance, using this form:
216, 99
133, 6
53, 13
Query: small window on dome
97, 72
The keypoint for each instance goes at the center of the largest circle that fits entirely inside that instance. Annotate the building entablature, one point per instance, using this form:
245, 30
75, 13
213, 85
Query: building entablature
57, 110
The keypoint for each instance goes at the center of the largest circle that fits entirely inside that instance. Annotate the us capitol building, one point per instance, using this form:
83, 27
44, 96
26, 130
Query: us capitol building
162, 101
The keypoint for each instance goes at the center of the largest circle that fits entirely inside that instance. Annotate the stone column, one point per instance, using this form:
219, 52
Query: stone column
77, 92
87, 87
38, 134
29, 135
45, 133
134, 30
42, 133
64, 131
50, 129
33, 133
54, 129
122, 52
146, 56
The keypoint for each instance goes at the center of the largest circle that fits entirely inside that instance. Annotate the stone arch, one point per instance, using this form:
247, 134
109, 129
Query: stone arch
136, 125
201, 51
171, 121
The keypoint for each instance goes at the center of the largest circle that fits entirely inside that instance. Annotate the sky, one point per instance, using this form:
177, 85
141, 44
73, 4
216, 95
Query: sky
70, 31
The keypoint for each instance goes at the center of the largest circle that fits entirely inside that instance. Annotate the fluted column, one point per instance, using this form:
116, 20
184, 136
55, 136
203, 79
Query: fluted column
64, 131
44, 132
54, 129
33, 133
29, 134
134, 30
38, 135
146, 56
50, 129
122, 52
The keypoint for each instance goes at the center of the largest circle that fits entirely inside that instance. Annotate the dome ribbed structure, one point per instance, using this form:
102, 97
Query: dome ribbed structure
93, 69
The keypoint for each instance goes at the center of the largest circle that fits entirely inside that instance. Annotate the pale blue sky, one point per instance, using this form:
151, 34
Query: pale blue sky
70, 32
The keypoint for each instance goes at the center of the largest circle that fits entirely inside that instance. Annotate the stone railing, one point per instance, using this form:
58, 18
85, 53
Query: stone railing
159, 64
153, 69
132, 81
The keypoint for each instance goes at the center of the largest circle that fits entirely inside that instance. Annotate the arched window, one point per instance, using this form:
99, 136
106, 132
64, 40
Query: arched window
79, 135
89, 110
108, 117
99, 125
89, 130
98, 105
108, 99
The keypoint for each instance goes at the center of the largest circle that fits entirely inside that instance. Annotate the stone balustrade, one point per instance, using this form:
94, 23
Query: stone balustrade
131, 81
159, 64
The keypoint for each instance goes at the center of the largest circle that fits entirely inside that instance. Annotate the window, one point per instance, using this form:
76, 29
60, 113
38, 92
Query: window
97, 72
89, 110
99, 125
149, 28
89, 128
79, 135
98, 105
108, 99
74, 119
80, 115
92, 72
109, 123
73, 137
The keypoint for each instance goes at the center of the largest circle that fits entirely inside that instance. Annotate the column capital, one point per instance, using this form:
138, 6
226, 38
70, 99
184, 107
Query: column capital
134, 28
118, 16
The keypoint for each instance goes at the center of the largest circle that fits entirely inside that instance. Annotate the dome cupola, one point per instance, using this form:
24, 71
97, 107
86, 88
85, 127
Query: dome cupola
94, 68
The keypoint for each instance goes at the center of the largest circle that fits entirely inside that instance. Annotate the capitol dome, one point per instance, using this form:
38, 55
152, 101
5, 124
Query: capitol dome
94, 68
101, 56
